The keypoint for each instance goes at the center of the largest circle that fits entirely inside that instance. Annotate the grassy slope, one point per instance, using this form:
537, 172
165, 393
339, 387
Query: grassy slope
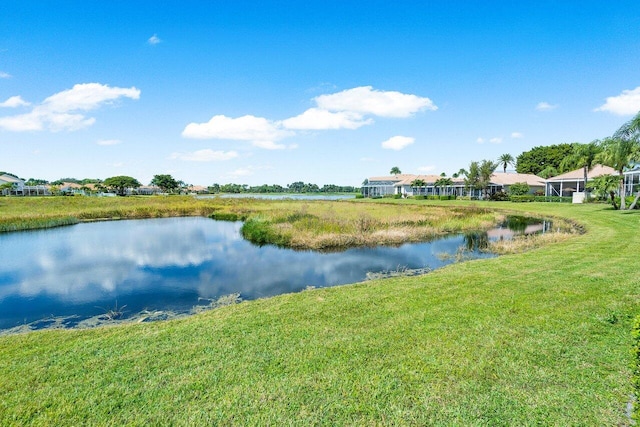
536, 338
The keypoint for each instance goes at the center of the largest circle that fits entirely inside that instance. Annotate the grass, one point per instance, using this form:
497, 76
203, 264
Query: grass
523, 339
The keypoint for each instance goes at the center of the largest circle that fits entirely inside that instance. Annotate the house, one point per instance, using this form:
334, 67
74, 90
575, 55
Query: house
572, 182
402, 184
379, 186
17, 185
502, 182
632, 179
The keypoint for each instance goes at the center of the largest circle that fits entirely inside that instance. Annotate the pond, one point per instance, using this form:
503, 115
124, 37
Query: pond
176, 264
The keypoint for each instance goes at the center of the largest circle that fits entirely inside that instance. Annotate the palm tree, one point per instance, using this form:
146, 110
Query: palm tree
442, 183
548, 172
395, 171
505, 160
606, 185
461, 172
618, 152
486, 170
584, 155
417, 183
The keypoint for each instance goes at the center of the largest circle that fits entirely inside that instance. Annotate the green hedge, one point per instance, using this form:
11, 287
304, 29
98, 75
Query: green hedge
532, 198
521, 199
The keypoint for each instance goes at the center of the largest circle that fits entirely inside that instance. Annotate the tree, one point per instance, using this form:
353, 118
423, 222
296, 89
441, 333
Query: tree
618, 152
418, 183
538, 158
519, 189
548, 172
506, 160
442, 183
121, 183
8, 186
486, 170
461, 172
631, 131
472, 177
605, 185
166, 183
584, 156
395, 171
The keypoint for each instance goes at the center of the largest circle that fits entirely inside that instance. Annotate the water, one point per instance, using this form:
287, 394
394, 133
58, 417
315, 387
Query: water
174, 263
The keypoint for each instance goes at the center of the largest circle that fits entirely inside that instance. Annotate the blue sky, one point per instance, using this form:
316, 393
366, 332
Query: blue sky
328, 92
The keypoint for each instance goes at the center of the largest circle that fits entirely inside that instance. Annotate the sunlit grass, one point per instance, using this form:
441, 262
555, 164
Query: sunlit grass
522, 339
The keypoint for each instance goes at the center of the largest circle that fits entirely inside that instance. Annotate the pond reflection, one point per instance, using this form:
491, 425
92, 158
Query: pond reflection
174, 263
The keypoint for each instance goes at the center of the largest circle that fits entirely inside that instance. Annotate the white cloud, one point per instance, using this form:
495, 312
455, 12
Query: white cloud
398, 142
319, 119
206, 155
268, 145
480, 140
426, 168
366, 100
545, 106
496, 140
248, 171
154, 40
109, 142
14, 102
4, 75
627, 103
245, 128
342, 110
62, 111
241, 172
517, 135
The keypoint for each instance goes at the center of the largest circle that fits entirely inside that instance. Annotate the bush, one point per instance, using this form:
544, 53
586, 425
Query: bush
259, 231
449, 197
420, 197
519, 189
500, 196
359, 196
522, 199
226, 216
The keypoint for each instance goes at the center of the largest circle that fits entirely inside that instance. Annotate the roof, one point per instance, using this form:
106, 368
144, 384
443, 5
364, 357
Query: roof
578, 174
513, 178
9, 178
429, 179
394, 178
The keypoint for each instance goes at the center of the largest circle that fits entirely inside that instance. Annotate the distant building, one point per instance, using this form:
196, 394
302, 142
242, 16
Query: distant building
403, 184
573, 182
17, 185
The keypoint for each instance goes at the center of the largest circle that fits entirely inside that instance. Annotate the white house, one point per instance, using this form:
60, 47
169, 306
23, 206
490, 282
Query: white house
17, 185
632, 179
573, 182
402, 184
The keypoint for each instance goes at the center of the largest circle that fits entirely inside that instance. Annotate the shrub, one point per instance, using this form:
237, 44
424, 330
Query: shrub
500, 196
449, 197
359, 196
419, 197
260, 232
519, 189
225, 216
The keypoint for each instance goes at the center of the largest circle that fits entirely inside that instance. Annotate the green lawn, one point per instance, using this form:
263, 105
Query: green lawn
539, 338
